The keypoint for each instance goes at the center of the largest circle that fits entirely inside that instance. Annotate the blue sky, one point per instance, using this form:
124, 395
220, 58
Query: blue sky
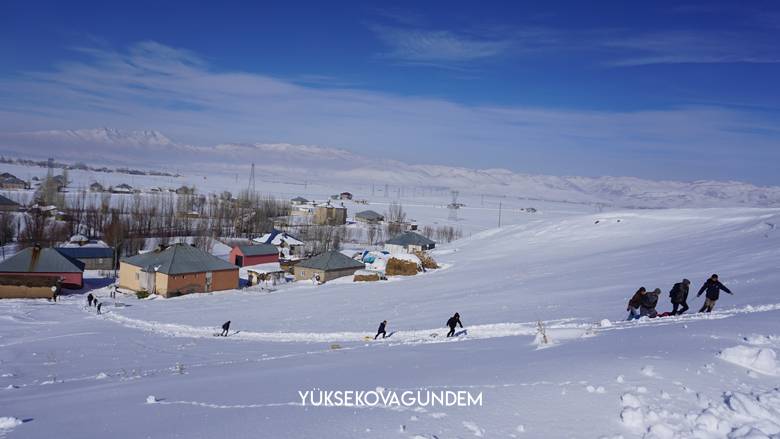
660, 90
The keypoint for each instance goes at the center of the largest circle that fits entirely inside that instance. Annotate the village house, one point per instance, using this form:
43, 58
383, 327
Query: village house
95, 254
299, 201
327, 266
369, 217
96, 187
10, 181
8, 205
287, 245
408, 242
93, 258
123, 188
36, 261
246, 255
345, 196
329, 215
177, 270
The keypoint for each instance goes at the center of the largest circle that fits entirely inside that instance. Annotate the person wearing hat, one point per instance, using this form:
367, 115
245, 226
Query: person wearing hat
679, 296
713, 288
648, 303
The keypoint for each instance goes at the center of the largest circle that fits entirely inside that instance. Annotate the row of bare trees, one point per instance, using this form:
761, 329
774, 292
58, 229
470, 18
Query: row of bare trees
126, 221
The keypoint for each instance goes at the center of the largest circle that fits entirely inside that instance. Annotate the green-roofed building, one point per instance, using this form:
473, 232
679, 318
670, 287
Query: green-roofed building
327, 266
176, 270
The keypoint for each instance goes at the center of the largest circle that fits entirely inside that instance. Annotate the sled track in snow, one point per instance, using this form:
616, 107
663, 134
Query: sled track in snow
564, 328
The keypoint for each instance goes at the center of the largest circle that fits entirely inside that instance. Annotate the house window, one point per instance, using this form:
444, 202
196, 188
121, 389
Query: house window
137, 276
303, 273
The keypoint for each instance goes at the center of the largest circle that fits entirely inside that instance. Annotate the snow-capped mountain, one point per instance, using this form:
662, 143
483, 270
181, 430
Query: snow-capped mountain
104, 136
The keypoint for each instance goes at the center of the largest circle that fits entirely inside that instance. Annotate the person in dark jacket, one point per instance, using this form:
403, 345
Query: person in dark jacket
225, 329
713, 288
453, 322
679, 296
90, 298
648, 303
99, 306
635, 303
381, 330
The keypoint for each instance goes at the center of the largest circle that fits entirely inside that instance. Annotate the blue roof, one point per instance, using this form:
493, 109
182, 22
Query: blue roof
87, 252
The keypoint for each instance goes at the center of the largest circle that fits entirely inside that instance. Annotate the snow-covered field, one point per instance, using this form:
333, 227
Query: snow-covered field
67, 372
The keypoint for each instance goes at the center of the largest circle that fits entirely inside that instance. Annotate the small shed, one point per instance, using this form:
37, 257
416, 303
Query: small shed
270, 273
408, 242
369, 217
36, 261
327, 266
245, 255
345, 196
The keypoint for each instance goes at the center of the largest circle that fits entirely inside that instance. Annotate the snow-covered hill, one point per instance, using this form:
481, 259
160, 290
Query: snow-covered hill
331, 166
65, 370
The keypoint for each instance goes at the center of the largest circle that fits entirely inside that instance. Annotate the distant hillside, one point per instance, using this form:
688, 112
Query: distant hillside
316, 163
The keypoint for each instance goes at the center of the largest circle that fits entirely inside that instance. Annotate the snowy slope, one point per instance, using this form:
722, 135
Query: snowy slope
67, 371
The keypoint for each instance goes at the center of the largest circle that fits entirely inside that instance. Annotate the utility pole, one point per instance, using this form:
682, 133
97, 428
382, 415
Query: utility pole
499, 214
251, 187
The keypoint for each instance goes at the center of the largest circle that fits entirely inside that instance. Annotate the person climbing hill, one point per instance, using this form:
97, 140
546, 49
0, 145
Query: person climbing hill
713, 288
648, 303
225, 329
381, 330
634, 303
679, 296
453, 322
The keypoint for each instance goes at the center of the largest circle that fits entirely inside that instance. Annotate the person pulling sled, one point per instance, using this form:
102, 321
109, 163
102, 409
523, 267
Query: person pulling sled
713, 288
453, 322
225, 329
679, 296
381, 330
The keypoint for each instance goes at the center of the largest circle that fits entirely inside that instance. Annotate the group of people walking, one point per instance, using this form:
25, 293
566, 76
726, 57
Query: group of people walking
452, 323
643, 302
93, 300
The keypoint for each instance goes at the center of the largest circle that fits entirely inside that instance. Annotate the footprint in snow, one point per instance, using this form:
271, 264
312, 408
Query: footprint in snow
473, 428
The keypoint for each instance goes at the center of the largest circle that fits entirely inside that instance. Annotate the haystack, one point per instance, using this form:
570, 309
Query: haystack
401, 267
366, 276
427, 260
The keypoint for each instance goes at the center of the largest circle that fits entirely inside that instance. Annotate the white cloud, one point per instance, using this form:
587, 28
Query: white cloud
152, 86
437, 46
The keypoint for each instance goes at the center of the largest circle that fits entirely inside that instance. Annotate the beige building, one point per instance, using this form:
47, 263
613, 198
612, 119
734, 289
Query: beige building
29, 287
329, 215
177, 270
327, 266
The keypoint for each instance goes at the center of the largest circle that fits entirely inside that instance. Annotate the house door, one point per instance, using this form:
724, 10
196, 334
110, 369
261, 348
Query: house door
208, 281
239, 260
